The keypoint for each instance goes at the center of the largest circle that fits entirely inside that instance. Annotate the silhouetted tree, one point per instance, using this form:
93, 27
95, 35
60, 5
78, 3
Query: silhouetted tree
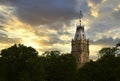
87, 72
107, 68
117, 45
60, 67
21, 63
107, 51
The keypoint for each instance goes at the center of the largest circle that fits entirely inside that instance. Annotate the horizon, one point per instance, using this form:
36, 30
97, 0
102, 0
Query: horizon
51, 24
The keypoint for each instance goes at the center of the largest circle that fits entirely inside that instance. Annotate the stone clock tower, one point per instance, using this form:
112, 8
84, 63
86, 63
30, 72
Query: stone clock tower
80, 45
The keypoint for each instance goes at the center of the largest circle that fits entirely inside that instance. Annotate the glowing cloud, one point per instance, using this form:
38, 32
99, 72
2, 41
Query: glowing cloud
94, 9
117, 8
53, 25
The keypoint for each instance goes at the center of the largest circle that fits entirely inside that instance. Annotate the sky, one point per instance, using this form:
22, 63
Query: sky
51, 24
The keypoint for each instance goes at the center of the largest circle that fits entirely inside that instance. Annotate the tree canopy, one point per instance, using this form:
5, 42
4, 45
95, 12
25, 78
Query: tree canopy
106, 68
60, 67
107, 51
20, 63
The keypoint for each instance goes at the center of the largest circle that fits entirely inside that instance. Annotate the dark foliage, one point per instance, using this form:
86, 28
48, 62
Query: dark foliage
107, 68
60, 67
20, 63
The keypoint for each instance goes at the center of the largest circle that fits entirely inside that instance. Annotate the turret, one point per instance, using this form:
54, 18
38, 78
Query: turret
80, 45
80, 34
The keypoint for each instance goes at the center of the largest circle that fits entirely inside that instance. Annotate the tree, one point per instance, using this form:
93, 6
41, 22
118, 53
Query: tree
3, 70
107, 52
60, 67
101, 70
117, 45
106, 68
117, 73
22, 64
88, 72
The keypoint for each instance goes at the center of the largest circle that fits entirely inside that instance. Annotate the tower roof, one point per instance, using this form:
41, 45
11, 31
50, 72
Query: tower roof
80, 33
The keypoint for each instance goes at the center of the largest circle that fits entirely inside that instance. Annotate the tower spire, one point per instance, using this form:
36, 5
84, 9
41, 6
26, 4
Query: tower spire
80, 45
81, 15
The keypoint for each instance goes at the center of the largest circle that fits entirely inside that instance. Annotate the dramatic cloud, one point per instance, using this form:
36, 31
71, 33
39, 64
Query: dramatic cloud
51, 24
5, 39
106, 41
36, 12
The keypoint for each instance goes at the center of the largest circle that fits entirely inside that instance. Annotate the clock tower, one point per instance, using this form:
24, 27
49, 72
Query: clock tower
80, 44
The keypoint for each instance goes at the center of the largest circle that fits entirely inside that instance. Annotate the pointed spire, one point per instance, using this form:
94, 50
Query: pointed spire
80, 33
81, 15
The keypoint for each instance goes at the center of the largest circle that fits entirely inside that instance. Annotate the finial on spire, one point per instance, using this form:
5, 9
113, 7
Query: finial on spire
81, 15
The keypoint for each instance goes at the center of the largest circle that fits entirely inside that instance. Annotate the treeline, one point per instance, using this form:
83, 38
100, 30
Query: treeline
22, 63
106, 68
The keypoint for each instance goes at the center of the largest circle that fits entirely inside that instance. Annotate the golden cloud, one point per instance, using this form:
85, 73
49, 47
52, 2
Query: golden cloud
15, 29
94, 9
117, 8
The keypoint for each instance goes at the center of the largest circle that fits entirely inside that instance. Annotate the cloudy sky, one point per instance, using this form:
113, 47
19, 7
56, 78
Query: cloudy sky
51, 24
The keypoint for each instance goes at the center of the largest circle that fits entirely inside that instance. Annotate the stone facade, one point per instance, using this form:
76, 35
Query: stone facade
80, 46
